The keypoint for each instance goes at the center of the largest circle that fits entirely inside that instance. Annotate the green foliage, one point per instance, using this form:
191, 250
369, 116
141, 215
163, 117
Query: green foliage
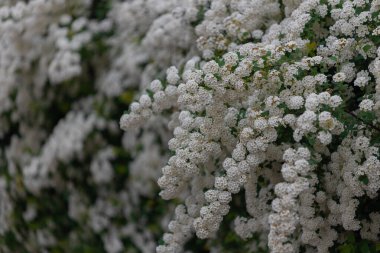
353, 245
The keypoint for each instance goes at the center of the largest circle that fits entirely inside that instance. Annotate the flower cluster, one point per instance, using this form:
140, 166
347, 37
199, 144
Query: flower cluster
70, 180
251, 126
288, 111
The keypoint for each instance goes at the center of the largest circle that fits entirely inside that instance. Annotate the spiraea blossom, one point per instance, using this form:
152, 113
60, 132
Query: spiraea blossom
275, 130
70, 180
175, 126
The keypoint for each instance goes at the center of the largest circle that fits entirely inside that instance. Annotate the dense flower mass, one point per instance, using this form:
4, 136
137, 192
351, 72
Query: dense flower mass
283, 105
250, 126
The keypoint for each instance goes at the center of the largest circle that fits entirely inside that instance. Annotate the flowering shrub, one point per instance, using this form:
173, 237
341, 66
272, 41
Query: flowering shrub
256, 123
275, 124
70, 181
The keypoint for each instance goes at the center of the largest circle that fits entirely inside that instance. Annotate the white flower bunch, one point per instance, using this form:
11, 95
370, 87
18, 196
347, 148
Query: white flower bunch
287, 111
70, 179
251, 126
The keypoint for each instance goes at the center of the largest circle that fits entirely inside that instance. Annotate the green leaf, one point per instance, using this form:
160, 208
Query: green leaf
150, 93
346, 248
311, 140
363, 247
311, 47
127, 97
351, 238
364, 179
366, 48
313, 161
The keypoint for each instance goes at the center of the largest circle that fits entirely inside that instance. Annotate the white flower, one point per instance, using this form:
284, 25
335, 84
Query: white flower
339, 77
324, 137
366, 105
362, 79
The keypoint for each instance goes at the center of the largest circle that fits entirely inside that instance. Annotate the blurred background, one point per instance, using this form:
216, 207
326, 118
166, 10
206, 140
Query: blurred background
70, 179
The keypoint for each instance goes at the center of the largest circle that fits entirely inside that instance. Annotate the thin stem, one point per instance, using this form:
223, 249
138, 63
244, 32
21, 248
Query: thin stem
369, 124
